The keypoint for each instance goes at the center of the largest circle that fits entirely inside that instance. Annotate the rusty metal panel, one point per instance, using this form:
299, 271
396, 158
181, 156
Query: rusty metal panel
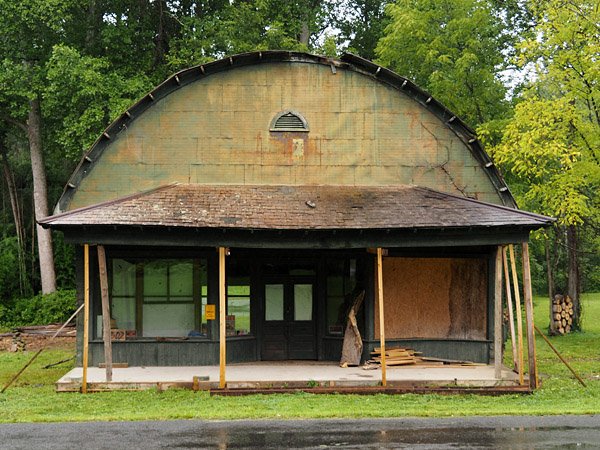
216, 130
328, 175
207, 97
217, 173
259, 174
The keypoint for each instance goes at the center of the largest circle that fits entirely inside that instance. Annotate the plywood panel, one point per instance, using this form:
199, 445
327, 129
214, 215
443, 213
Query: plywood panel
434, 298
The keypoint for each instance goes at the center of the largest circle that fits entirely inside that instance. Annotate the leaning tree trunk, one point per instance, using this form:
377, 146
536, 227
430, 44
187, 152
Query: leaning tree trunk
40, 196
573, 283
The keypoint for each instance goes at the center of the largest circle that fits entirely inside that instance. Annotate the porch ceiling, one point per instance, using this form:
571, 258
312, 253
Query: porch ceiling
297, 208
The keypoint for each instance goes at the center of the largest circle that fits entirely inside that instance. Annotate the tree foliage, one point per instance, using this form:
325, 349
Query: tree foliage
454, 49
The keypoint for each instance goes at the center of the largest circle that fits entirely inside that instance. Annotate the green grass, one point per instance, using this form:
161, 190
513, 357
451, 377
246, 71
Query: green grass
34, 400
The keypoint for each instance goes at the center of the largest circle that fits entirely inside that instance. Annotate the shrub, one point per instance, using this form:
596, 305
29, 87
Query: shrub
42, 309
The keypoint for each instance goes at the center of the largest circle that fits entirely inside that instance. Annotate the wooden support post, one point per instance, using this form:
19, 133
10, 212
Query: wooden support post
509, 303
518, 313
105, 312
86, 314
498, 316
222, 316
528, 299
381, 316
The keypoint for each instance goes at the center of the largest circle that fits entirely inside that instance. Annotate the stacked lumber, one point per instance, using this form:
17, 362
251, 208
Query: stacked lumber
395, 356
405, 356
562, 313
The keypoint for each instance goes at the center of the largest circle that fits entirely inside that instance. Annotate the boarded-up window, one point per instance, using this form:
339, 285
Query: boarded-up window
442, 298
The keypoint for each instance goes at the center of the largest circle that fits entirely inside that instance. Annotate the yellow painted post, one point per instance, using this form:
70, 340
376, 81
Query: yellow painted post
86, 315
381, 316
528, 299
509, 303
222, 316
518, 313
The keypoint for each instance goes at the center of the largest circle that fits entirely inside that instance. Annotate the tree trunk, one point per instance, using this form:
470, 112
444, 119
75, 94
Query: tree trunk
550, 283
14, 203
304, 34
573, 283
40, 196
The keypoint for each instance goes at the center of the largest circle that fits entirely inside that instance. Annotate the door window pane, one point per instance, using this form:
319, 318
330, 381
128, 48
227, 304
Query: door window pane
274, 302
303, 301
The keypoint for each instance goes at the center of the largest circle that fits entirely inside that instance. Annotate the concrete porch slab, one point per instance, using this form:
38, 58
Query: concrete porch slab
286, 373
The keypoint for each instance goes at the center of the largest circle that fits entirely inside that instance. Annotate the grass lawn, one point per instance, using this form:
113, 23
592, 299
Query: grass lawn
32, 397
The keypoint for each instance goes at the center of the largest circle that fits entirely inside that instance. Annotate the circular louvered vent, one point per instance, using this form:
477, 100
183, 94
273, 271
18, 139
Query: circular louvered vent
289, 121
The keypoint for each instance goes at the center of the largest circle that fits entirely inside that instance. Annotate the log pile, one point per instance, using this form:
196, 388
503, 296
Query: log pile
404, 356
562, 313
47, 330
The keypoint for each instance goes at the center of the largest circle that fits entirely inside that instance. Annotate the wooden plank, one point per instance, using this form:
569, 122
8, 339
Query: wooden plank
528, 299
222, 353
511, 316
498, 315
381, 316
518, 312
105, 312
86, 315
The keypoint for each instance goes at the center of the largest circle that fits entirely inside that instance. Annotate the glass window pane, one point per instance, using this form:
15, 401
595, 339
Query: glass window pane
123, 311
274, 302
335, 285
155, 278
303, 301
238, 315
181, 282
168, 320
123, 278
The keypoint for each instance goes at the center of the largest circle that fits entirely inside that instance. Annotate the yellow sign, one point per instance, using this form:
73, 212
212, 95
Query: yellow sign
210, 312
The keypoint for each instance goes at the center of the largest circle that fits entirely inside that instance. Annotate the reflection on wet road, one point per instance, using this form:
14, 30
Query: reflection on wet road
570, 432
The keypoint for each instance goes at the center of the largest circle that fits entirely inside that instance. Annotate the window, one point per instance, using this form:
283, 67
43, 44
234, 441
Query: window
158, 298
289, 121
341, 293
238, 299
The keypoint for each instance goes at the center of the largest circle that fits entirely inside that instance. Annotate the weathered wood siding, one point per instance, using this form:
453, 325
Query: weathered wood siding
216, 131
443, 298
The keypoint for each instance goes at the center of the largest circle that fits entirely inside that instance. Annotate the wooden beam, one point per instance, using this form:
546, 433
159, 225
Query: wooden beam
509, 303
528, 299
498, 315
86, 314
518, 313
222, 356
105, 312
381, 316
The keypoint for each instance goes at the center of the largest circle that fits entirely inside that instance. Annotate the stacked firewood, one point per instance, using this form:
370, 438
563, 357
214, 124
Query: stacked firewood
562, 313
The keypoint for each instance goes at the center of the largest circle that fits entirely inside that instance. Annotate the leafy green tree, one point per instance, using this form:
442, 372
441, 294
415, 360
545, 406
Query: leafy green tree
454, 49
552, 142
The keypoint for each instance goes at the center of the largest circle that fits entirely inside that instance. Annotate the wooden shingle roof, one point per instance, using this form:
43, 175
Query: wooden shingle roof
297, 208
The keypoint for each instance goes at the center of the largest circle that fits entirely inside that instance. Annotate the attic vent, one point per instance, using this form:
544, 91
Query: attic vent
289, 121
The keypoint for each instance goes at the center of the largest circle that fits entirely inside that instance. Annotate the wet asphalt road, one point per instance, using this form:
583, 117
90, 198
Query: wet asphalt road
551, 432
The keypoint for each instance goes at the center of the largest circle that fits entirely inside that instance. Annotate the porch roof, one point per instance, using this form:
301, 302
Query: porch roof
296, 208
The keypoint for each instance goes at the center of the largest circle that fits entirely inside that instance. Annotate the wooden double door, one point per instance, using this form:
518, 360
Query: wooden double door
288, 322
